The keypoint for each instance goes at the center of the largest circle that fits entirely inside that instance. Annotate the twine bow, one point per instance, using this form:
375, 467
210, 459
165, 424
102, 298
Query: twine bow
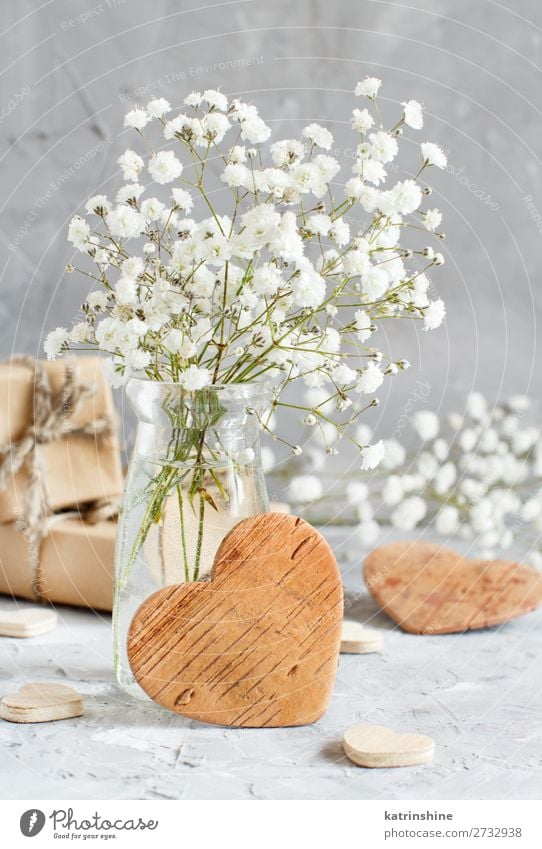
51, 421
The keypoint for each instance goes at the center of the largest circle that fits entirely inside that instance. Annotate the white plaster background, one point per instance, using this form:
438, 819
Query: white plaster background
476, 66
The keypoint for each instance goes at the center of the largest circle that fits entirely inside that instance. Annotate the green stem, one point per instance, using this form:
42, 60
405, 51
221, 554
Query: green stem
200, 537
183, 534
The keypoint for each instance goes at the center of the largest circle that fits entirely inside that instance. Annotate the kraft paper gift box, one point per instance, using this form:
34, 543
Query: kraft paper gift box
75, 468
75, 563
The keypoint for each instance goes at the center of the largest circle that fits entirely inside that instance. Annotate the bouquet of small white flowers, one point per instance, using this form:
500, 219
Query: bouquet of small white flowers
280, 287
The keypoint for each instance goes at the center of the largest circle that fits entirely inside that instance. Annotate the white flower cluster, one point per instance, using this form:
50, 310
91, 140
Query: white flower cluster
280, 287
476, 474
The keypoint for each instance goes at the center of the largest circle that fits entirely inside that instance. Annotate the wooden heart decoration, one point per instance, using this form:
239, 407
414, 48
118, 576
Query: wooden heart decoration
258, 645
378, 746
27, 621
428, 589
39, 702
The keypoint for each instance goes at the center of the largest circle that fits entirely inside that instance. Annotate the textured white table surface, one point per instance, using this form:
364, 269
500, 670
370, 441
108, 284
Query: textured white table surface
478, 694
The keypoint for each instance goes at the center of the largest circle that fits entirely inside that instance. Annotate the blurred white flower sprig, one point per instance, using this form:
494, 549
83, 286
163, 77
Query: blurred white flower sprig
477, 475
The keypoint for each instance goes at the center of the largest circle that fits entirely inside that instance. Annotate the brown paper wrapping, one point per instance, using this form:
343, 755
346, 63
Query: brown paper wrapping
76, 563
76, 469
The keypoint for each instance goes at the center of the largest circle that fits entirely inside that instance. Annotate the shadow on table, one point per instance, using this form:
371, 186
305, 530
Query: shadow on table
362, 608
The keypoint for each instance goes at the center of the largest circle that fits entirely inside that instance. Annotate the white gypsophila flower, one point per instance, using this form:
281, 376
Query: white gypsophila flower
193, 99
319, 136
374, 283
99, 204
368, 533
427, 465
445, 478
404, 198
408, 513
476, 406
126, 291
433, 155
216, 98
164, 167
357, 492
305, 488
138, 359
97, 300
319, 224
395, 454
372, 455
371, 378
434, 315
137, 118
374, 172
440, 449
340, 232
393, 491
157, 108
131, 164
125, 222
309, 290
81, 333
115, 372
363, 324
518, 403
432, 219
364, 434
195, 378
447, 520
362, 120
55, 342
130, 192
384, 148
152, 209
426, 424
182, 199
368, 87
413, 114
78, 232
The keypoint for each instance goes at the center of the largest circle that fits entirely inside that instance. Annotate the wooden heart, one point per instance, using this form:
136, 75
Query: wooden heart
39, 702
357, 639
27, 621
378, 746
258, 645
428, 589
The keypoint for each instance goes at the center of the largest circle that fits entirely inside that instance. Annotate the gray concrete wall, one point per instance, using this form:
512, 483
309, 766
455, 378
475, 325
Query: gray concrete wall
70, 68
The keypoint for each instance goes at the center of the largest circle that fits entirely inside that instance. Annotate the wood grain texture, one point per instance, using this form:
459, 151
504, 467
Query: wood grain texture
428, 589
258, 645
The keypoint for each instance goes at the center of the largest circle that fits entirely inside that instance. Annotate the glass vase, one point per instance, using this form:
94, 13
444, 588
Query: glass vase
195, 472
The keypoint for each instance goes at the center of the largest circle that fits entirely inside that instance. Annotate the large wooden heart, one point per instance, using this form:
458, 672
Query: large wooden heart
428, 589
256, 646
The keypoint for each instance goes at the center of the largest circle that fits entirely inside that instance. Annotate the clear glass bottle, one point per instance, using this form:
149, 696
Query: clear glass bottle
195, 472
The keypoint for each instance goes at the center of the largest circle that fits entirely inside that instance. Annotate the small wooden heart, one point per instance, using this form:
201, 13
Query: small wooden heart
27, 621
378, 746
38, 702
428, 589
258, 645
357, 639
